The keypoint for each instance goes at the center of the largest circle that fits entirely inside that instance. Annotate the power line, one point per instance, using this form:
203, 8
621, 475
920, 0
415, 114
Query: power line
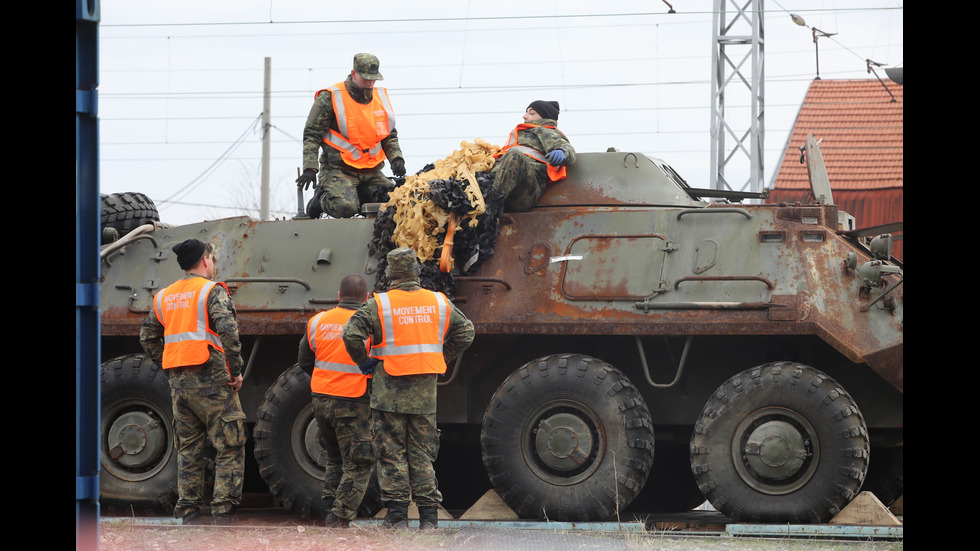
430, 20
190, 186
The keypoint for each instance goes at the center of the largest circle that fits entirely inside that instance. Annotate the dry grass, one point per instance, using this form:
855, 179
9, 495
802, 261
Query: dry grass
127, 536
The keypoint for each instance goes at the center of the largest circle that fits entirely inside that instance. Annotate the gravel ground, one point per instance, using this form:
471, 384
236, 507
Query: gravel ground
122, 535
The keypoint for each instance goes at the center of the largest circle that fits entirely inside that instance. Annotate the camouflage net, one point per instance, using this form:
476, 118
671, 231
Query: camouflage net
418, 210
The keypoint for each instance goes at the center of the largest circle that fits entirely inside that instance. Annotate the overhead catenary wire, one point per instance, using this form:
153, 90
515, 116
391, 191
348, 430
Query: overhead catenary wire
190, 186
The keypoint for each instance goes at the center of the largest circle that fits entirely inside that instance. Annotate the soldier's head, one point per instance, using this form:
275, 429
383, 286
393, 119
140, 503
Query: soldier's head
365, 71
195, 256
541, 109
403, 265
354, 288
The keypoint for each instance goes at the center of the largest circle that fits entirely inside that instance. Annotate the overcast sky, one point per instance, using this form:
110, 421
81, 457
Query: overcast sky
181, 82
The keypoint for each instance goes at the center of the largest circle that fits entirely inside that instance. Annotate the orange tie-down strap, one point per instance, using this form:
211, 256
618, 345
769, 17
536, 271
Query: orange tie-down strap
446, 259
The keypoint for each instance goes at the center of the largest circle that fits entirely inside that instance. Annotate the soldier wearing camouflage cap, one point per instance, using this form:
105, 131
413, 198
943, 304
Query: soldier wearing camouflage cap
192, 333
354, 125
535, 155
415, 334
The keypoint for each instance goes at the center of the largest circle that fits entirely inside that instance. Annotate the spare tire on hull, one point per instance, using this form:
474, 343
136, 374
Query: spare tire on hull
567, 437
125, 212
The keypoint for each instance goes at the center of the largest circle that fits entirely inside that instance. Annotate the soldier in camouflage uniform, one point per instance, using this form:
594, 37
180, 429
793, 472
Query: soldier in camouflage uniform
535, 155
343, 187
403, 407
341, 405
206, 405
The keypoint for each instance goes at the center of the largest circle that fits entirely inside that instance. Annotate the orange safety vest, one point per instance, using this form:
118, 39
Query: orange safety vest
555, 173
413, 329
361, 126
334, 373
182, 308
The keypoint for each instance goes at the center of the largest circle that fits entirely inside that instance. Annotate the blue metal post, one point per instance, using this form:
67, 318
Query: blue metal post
87, 240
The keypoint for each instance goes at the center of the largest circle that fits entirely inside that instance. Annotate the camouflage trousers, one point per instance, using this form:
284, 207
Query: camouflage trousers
405, 446
520, 179
341, 192
208, 414
345, 435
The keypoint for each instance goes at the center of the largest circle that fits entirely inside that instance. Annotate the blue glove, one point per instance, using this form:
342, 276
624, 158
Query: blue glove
367, 366
556, 157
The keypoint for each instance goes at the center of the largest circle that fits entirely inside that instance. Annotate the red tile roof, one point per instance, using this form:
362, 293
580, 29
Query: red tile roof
861, 134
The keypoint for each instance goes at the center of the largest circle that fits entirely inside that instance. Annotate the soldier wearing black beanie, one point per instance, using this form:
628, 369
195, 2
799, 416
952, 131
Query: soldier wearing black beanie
191, 332
547, 109
535, 155
189, 252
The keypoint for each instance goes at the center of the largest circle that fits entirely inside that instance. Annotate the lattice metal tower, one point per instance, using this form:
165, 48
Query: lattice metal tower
737, 127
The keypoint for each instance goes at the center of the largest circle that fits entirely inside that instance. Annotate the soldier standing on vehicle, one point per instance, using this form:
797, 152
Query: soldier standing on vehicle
536, 154
192, 332
341, 404
416, 333
355, 125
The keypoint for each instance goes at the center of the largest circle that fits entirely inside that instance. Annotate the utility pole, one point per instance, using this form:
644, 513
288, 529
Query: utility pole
266, 126
747, 137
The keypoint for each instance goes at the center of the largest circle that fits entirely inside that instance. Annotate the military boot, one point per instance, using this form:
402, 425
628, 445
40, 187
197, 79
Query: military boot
224, 519
194, 517
327, 508
428, 517
397, 516
333, 521
220, 516
313, 208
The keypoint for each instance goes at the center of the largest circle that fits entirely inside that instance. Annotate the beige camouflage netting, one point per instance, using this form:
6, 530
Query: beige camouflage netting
418, 221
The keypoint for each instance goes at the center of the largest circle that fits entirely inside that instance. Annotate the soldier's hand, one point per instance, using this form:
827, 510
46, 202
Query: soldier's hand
306, 178
398, 166
556, 157
236, 382
367, 366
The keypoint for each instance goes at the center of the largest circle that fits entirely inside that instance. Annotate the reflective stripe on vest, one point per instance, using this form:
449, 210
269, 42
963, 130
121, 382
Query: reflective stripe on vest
182, 308
413, 328
361, 126
555, 173
335, 373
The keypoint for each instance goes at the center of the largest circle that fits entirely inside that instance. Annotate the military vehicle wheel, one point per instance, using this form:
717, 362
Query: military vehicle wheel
139, 464
780, 443
127, 211
886, 473
568, 438
288, 450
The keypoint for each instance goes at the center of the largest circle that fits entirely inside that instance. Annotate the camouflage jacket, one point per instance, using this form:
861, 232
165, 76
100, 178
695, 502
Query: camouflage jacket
318, 124
414, 394
223, 320
546, 140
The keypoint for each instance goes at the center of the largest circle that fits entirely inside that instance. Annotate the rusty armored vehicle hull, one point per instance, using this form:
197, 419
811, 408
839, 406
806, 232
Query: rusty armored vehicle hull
637, 348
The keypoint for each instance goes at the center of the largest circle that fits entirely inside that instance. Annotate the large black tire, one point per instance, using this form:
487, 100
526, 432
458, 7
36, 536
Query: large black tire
127, 211
288, 450
567, 438
139, 463
780, 443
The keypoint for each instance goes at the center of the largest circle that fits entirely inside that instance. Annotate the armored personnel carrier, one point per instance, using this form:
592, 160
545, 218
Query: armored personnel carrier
641, 345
